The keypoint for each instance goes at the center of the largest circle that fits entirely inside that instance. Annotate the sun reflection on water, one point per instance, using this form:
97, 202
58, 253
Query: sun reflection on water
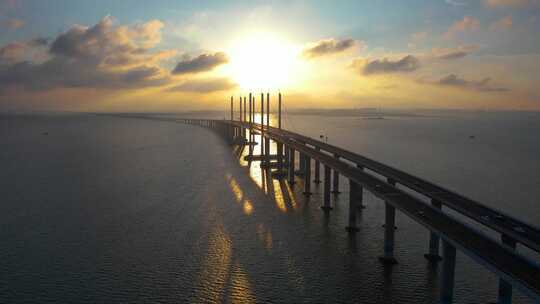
235, 187
248, 207
292, 198
278, 196
241, 288
222, 278
215, 268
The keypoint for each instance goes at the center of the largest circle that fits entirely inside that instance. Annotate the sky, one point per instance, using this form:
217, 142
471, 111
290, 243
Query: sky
166, 55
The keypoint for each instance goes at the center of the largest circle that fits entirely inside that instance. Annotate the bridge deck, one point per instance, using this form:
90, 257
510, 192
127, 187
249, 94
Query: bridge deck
521, 232
508, 264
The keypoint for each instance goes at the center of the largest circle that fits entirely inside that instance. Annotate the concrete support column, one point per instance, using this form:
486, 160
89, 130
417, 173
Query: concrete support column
286, 157
262, 149
360, 194
241, 131
232, 108
280, 156
244, 115
302, 165
317, 179
262, 129
244, 119
267, 140
307, 175
250, 144
353, 198
389, 223
291, 166
335, 189
327, 176
267, 150
505, 288
448, 271
433, 254
250, 124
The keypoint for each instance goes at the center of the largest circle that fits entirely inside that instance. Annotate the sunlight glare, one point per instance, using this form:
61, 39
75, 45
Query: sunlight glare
262, 61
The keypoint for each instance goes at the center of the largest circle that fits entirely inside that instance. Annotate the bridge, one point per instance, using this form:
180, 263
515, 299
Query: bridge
419, 199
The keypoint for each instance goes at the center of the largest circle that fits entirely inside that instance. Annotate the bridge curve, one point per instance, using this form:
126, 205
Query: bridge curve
501, 258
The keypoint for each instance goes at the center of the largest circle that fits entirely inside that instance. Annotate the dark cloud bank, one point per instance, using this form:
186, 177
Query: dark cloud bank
328, 47
202, 63
481, 85
104, 56
406, 64
101, 56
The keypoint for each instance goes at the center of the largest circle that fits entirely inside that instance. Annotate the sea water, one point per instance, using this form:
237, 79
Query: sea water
104, 209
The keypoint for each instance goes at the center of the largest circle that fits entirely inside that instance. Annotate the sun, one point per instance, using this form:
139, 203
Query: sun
262, 61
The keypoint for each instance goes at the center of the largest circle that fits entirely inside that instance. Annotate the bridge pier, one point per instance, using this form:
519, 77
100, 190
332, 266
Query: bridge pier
354, 191
307, 176
360, 194
241, 129
244, 119
448, 271
251, 142
326, 201
230, 134
302, 164
286, 156
291, 166
262, 130
267, 142
267, 149
317, 179
335, 189
389, 231
280, 157
505, 288
250, 120
433, 254
393, 183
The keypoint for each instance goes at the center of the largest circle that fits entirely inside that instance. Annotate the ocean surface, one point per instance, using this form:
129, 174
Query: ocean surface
105, 209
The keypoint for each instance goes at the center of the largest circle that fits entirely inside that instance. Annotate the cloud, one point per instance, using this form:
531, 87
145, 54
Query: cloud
408, 63
511, 3
109, 44
201, 63
204, 85
461, 26
12, 51
453, 53
482, 85
15, 51
102, 56
40, 41
14, 23
329, 47
504, 23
